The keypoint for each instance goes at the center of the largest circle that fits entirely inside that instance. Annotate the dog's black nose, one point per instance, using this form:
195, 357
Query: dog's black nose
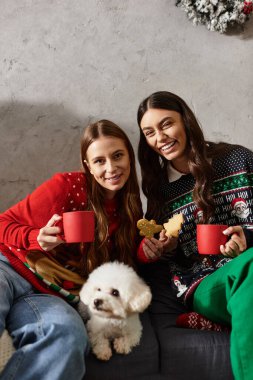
98, 302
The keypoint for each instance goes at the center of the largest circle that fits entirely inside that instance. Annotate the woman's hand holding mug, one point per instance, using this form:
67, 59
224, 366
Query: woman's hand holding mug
49, 237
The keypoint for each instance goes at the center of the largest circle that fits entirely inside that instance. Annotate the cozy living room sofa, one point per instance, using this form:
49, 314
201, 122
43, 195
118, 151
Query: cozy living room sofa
166, 352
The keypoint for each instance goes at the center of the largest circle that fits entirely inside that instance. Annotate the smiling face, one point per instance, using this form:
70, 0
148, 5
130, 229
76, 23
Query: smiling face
108, 161
165, 134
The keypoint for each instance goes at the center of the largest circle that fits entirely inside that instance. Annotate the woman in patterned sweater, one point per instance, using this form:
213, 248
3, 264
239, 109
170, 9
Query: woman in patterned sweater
39, 271
184, 173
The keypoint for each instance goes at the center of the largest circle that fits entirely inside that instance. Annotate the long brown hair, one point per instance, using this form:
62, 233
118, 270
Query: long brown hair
199, 151
130, 210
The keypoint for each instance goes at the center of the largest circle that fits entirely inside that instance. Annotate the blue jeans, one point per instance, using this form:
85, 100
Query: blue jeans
48, 334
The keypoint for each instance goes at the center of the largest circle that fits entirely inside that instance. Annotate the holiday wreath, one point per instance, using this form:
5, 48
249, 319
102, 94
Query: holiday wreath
217, 15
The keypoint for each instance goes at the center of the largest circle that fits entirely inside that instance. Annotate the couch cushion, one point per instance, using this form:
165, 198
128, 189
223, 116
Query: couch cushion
141, 363
184, 353
199, 354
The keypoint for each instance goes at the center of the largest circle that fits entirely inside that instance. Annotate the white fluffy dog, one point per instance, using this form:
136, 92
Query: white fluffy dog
114, 294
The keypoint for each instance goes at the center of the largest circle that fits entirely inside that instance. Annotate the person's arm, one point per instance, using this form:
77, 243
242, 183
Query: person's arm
240, 238
20, 225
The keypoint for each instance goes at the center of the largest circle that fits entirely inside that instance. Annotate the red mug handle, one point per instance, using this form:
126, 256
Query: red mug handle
59, 223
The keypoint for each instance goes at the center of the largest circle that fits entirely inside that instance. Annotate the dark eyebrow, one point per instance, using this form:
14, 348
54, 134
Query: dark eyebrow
145, 128
118, 151
166, 118
160, 122
101, 157
96, 158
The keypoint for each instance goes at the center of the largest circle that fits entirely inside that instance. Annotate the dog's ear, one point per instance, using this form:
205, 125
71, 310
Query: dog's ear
86, 293
140, 297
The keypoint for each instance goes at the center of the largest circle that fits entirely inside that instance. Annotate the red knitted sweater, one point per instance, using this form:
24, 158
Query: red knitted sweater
20, 225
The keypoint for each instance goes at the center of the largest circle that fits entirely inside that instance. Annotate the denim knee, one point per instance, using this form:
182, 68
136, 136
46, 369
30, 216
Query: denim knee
75, 334
50, 339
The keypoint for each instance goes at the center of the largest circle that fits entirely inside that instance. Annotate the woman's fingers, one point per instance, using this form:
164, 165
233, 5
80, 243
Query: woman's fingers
51, 227
55, 218
236, 243
152, 248
148, 252
155, 248
47, 231
163, 237
239, 241
170, 244
47, 237
230, 251
233, 229
231, 248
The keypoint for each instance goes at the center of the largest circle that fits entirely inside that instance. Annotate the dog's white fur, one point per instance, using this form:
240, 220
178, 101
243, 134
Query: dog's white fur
115, 295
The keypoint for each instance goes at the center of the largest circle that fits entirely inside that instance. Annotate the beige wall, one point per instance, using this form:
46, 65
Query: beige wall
66, 62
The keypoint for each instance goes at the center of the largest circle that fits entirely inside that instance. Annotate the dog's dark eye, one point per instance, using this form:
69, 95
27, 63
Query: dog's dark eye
98, 289
115, 292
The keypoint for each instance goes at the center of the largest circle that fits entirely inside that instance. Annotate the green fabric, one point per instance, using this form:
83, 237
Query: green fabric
226, 296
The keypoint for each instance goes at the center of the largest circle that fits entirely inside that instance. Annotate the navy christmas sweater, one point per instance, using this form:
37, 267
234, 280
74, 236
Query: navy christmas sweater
233, 196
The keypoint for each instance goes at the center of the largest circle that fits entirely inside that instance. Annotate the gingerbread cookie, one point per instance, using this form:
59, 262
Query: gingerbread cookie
148, 228
174, 225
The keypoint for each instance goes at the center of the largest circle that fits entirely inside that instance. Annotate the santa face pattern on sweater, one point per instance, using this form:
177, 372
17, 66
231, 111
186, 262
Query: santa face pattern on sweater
233, 197
240, 208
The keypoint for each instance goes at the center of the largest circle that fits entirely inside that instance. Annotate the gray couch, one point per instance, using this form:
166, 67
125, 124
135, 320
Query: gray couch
167, 352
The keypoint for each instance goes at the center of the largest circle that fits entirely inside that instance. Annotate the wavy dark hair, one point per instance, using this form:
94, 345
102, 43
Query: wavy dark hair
128, 197
199, 152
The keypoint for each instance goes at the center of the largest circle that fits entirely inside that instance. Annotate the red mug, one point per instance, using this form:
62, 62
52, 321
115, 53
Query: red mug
210, 237
78, 226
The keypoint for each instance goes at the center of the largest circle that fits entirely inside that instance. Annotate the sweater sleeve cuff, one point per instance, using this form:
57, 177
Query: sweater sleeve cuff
142, 258
32, 240
249, 237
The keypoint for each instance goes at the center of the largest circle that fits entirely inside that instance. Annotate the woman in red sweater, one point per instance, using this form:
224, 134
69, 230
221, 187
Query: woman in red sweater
39, 271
